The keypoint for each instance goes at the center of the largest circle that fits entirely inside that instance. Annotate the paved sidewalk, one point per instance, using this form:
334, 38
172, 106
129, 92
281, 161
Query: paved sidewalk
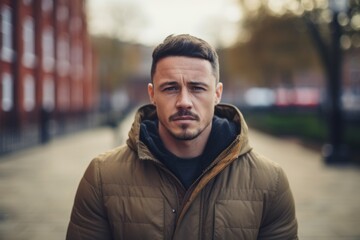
327, 198
38, 185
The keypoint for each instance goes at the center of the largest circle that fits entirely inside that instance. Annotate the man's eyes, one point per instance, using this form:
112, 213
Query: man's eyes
170, 89
197, 88
192, 88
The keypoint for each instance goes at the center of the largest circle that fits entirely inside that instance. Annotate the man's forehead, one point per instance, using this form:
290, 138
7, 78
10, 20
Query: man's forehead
183, 65
181, 60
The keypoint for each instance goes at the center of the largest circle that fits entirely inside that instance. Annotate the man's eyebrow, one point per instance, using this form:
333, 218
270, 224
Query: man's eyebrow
198, 84
169, 83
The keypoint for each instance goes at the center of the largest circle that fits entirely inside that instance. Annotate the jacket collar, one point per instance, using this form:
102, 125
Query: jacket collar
148, 112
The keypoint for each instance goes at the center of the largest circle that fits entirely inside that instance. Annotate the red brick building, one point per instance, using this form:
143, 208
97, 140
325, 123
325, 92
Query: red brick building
46, 68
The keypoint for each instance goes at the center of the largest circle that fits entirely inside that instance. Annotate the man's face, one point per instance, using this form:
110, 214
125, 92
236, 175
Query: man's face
185, 93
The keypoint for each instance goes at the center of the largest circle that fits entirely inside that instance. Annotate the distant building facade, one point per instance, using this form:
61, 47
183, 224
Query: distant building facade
46, 69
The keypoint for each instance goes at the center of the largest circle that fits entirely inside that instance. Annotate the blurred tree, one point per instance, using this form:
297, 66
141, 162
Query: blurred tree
334, 28
333, 25
274, 49
117, 61
279, 33
118, 55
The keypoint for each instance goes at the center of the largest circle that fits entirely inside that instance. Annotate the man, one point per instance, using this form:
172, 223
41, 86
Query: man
187, 170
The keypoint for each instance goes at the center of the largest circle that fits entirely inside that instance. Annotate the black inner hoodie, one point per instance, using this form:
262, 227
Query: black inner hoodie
187, 170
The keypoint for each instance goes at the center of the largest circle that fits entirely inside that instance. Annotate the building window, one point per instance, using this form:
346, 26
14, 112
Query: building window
7, 85
6, 34
62, 14
77, 60
47, 5
48, 94
75, 24
63, 56
63, 97
29, 43
48, 49
78, 98
27, 2
29, 93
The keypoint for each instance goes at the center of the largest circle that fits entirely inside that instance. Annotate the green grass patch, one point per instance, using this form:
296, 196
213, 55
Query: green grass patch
306, 126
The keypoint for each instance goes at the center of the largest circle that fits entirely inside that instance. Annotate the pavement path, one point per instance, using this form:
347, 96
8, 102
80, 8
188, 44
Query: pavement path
327, 198
38, 185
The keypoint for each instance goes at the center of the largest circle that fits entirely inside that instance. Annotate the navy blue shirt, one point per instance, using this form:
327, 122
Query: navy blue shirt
187, 170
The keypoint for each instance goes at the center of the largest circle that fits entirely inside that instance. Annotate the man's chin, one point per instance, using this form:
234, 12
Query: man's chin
185, 136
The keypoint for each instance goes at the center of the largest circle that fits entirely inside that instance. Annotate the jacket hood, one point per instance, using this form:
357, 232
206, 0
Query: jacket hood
148, 112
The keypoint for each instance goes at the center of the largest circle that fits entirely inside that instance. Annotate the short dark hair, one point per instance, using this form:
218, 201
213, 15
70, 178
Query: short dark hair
185, 45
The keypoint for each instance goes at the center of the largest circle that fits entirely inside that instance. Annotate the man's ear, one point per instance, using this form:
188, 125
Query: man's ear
218, 92
151, 93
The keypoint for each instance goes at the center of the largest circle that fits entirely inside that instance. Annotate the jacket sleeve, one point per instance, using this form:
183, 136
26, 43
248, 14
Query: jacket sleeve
88, 217
279, 220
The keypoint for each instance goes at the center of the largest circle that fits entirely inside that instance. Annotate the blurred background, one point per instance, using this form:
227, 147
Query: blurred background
77, 66
292, 66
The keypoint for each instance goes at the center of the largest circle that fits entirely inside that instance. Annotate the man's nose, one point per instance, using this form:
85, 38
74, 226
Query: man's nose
184, 100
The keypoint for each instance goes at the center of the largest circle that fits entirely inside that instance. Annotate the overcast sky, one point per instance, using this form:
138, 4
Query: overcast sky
150, 21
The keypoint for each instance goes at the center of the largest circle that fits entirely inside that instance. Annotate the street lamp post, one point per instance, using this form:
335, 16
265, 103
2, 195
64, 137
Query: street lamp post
334, 151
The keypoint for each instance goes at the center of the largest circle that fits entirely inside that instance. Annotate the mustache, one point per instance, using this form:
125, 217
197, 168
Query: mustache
182, 113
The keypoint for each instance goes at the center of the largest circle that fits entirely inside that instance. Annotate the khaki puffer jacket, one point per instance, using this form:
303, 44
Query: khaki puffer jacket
128, 194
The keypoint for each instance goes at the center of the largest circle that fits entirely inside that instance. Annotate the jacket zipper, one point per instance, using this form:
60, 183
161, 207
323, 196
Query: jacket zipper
191, 188
201, 221
176, 209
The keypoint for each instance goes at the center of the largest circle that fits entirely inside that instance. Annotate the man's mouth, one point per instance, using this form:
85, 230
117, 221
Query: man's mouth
183, 118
